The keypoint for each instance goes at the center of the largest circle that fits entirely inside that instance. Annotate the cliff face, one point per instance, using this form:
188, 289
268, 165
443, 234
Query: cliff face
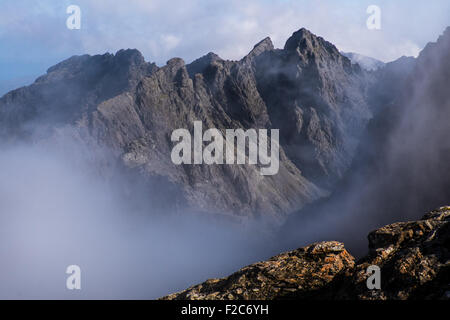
308, 90
413, 257
402, 163
70, 92
319, 99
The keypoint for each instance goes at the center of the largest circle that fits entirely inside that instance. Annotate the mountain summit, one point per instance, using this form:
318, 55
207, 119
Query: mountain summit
308, 90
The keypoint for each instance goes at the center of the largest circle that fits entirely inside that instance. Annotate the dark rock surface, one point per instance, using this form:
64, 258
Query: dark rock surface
402, 164
70, 92
414, 259
319, 99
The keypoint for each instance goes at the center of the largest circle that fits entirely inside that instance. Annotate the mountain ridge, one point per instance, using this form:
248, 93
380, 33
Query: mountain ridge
402, 161
132, 106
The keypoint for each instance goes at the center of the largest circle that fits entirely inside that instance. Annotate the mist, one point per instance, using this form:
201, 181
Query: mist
401, 168
65, 200
57, 209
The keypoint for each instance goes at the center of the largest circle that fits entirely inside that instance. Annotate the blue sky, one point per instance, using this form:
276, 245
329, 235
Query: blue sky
34, 36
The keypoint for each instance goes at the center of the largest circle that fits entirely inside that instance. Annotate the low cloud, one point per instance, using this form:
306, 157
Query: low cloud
57, 209
164, 29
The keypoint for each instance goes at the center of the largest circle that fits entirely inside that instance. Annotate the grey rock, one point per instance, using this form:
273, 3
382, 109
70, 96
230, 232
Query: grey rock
308, 90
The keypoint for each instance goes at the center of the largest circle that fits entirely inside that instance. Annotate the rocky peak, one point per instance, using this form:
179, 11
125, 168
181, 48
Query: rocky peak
435, 51
130, 56
175, 63
446, 33
299, 38
123, 58
176, 69
315, 86
305, 41
127, 65
304, 97
74, 87
262, 46
199, 65
72, 63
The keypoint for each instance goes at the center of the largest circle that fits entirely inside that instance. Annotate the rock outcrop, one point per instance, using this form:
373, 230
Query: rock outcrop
414, 259
294, 274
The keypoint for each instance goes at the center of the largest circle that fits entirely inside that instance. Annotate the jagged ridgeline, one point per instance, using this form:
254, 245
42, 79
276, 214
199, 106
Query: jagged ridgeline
308, 90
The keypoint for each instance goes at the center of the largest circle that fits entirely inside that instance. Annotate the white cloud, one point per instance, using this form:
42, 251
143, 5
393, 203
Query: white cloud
170, 41
162, 29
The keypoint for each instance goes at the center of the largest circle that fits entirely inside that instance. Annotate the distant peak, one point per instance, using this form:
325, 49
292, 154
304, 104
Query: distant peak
446, 34
304, 40
262, 46
128, 52
175, 63
123, 57
70, 63
301, 39
443, 42
199, 65
130, 56
209, 57
447, 31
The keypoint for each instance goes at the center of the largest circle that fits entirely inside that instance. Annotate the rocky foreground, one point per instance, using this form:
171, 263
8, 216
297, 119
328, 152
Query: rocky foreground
414, 258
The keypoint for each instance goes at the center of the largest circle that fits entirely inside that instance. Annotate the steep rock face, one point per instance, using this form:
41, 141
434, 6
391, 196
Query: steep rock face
170, 100
414, 259
70, 91
319, 100
402, 164
308, 90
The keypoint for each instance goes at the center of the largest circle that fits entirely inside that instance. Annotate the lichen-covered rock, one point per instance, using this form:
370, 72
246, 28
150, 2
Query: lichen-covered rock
296, 274
413, 257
